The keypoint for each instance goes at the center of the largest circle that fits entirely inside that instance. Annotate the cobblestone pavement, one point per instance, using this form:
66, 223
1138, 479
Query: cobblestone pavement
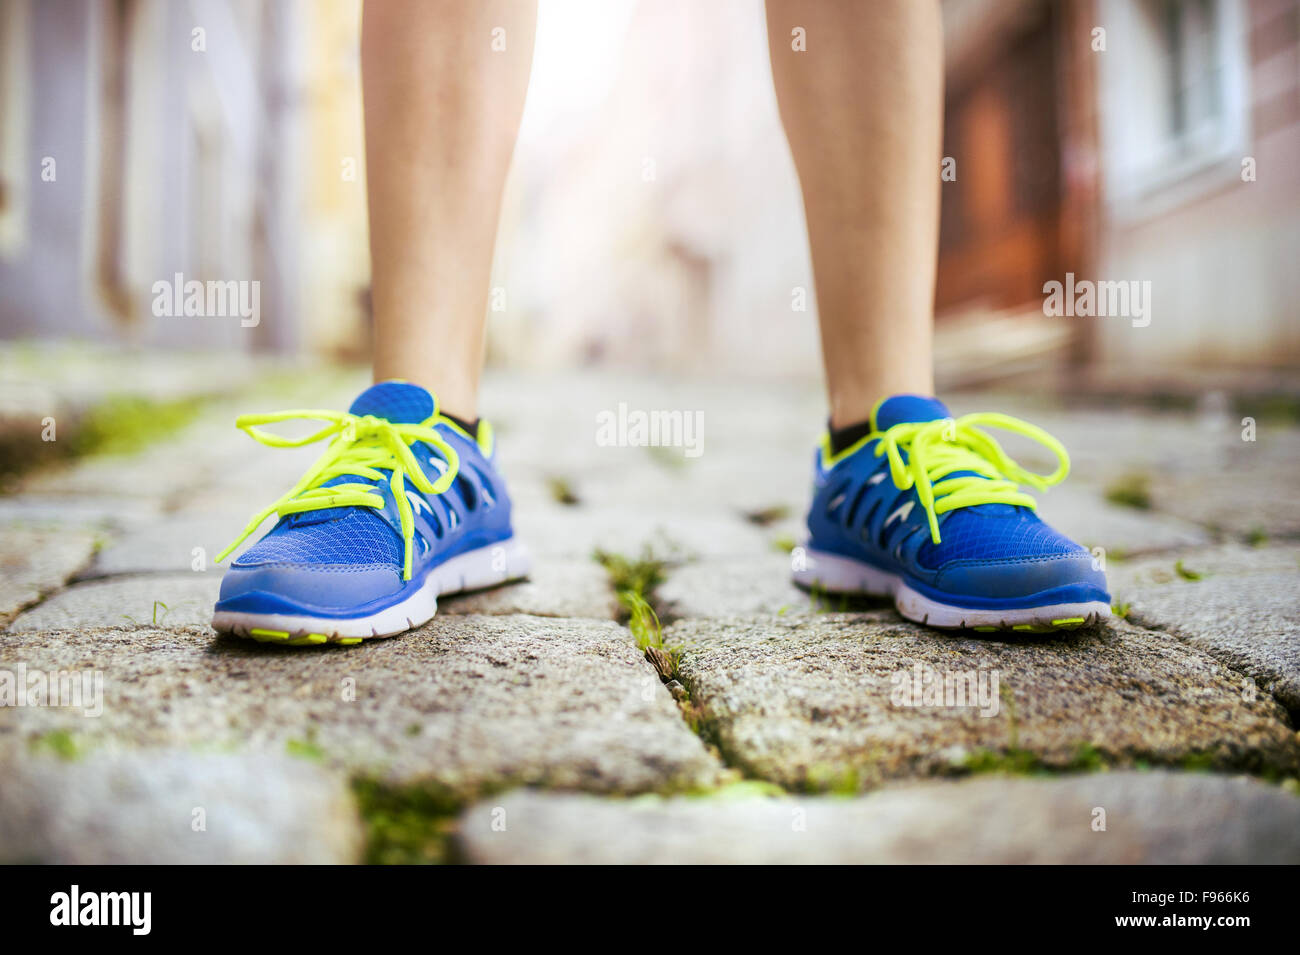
526, 724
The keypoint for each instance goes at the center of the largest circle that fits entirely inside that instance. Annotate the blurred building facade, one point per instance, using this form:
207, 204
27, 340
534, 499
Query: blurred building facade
653, 216
1127, 140
141, 140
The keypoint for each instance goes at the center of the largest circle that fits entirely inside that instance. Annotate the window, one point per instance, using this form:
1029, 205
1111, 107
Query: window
1173, 97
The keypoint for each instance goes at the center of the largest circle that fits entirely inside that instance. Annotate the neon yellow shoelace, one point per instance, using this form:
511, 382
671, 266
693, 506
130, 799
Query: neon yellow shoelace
936, 449
362, 445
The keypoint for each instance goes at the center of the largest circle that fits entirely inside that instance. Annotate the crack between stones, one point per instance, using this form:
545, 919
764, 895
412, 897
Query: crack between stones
1293, 714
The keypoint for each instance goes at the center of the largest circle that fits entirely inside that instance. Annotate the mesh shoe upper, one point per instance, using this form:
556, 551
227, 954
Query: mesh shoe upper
994, 532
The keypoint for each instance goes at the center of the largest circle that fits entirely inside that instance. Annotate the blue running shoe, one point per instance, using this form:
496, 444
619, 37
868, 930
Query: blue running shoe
403, 507
928, 510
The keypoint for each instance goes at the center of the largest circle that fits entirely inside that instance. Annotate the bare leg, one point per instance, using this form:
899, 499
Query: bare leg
442, 111
862, 108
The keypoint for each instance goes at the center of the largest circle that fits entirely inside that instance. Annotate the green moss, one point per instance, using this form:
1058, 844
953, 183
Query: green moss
121, 424
1131, 490
1022, 762
1013, 761
1276, 408
1257, 537
1186, 573
1197, 762
837, 780
58, 743
406, 825
742, 789
1121, 610
126, 423
1087, 758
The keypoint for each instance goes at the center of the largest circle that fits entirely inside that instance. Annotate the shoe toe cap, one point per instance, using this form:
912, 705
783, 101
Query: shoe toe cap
1074, 575
289, 588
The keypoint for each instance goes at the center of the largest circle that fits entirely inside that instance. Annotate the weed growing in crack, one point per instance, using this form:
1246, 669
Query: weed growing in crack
156, 619
632, 575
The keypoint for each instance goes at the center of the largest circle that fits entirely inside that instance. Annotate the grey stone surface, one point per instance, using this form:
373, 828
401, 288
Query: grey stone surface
36, 560
80, 512
42, 377
735, 586
819, 702
1245, 609
467, 701
533, 685
1248, 499
574, 533
1156, 817
209, 452
175, 544
172, 807
184, 600
1084, 514
1200, 469
555, 588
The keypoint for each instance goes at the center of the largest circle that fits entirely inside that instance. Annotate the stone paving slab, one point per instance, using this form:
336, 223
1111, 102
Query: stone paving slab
533, 685
42, 377
734, 586
123, 602
1083, 514
831, 701
1241, 502
78, 512
555, 588
1155, 817
575, 532
468, 701
175, 543
1199, 468
36, 560
168, 807
1244, 609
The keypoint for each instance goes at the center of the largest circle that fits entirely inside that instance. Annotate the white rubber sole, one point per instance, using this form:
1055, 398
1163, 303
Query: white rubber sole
834, 574
472, 570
